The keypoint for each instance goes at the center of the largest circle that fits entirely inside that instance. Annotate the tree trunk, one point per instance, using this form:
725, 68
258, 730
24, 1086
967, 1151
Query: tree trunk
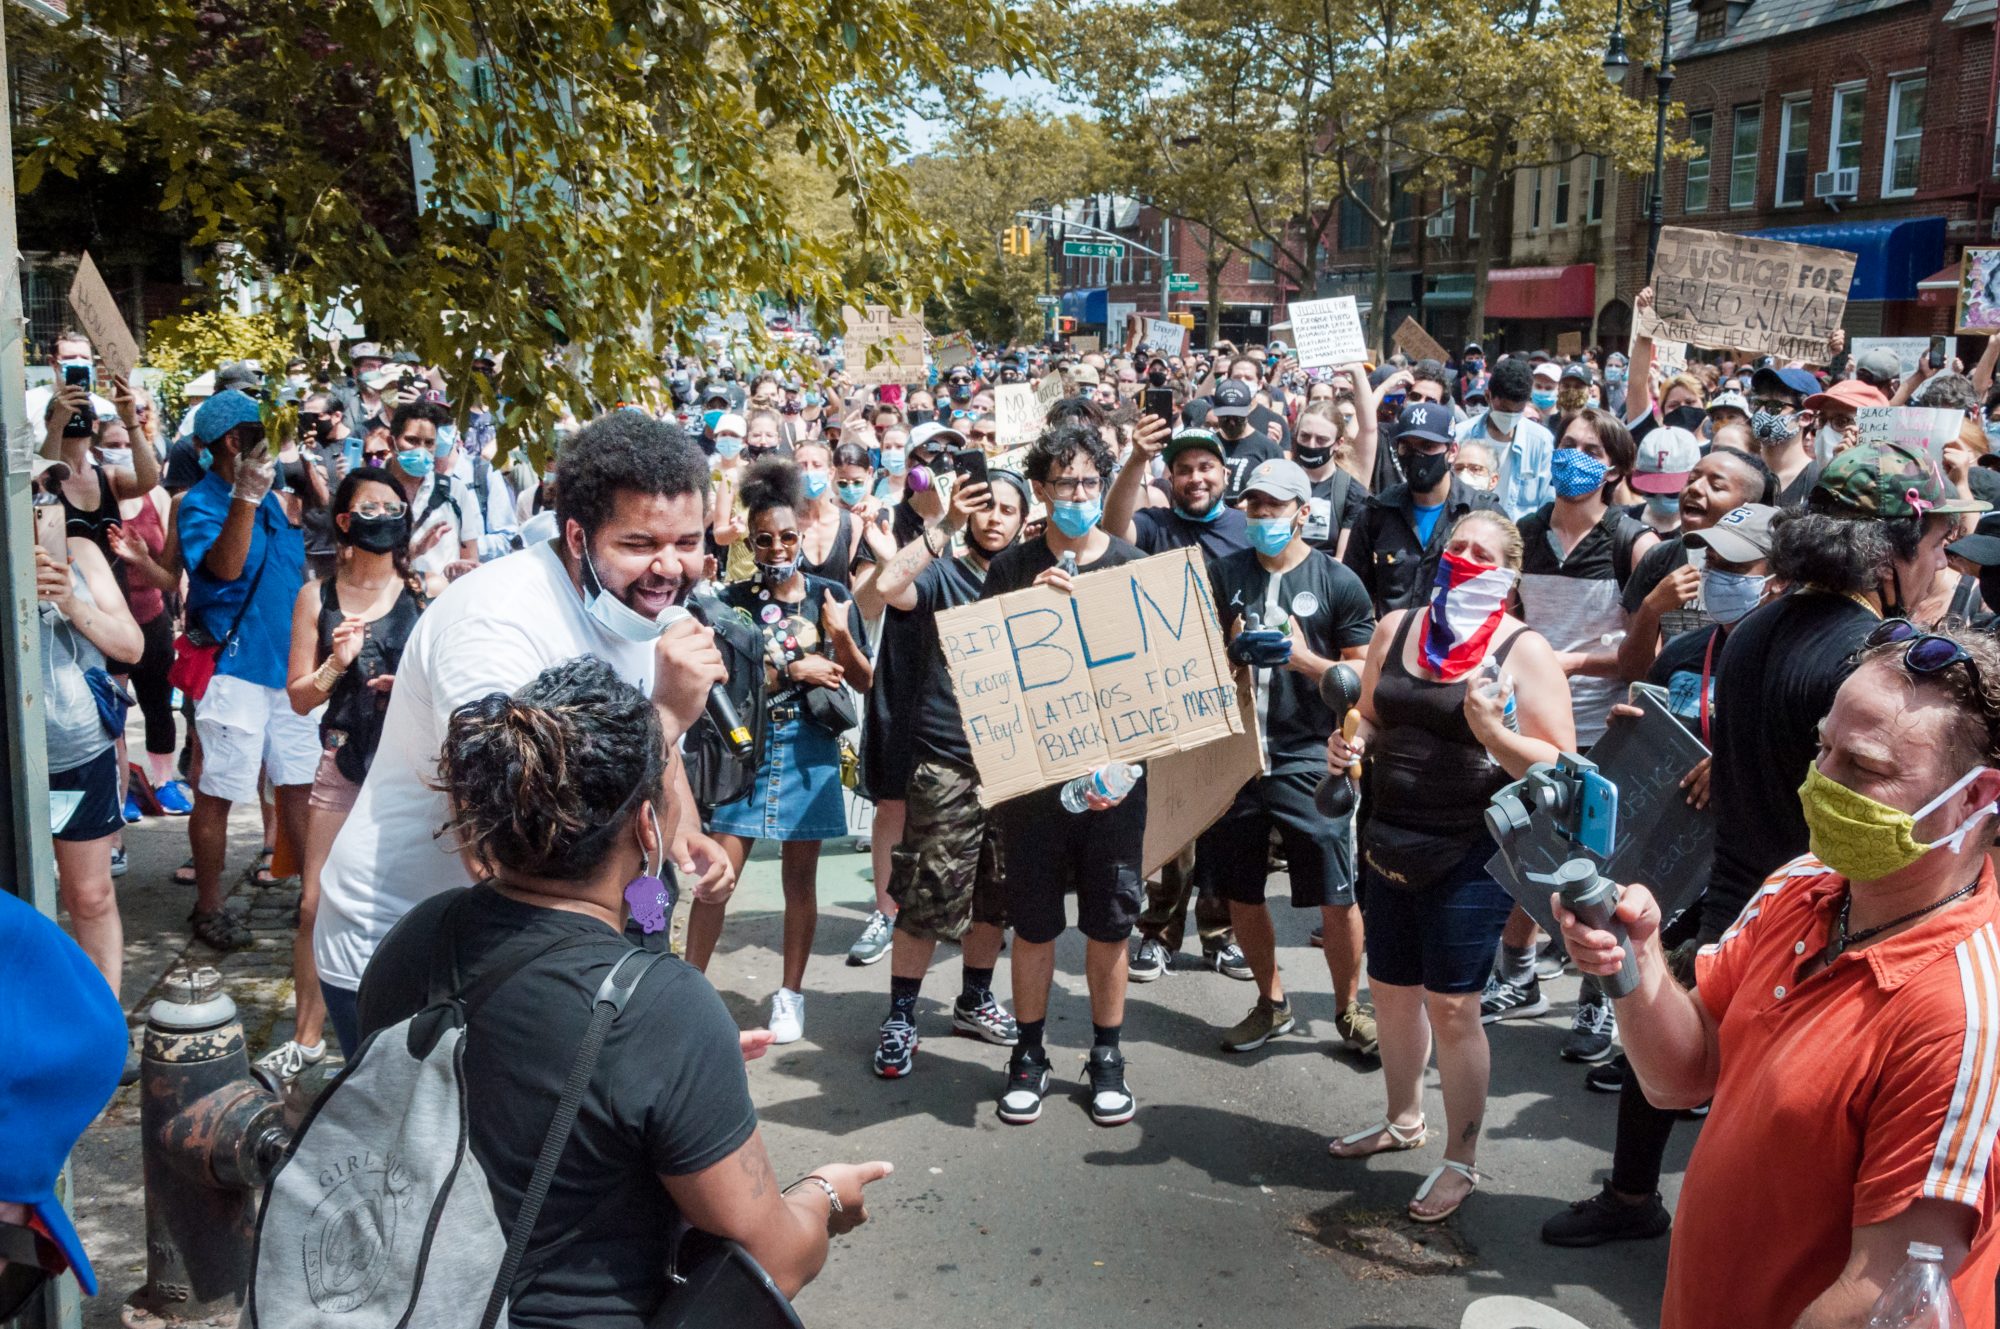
1385, 230
1484, 249
1215, 261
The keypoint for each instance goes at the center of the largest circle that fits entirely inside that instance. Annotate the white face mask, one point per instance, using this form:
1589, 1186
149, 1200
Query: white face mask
1504, 421
1825, 442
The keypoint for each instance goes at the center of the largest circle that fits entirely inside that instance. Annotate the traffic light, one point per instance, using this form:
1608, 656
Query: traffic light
1016, 241
1185, 320
1065, 326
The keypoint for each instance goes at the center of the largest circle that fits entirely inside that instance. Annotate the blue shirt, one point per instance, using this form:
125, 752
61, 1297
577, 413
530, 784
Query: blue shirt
1426, 519
263, 643
1524, 462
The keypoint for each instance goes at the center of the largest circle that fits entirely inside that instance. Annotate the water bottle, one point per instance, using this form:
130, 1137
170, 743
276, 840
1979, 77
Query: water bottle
1112, 781
1492, 682
1919, 1296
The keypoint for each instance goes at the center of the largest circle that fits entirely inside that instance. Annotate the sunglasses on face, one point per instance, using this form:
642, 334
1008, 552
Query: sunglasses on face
982, 435
376, 458
766, 541
380, 509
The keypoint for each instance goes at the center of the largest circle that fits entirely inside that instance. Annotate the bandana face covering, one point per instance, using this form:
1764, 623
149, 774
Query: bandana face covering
1864, 840
1464, 612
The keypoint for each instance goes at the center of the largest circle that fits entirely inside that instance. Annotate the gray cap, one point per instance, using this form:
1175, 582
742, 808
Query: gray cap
1279, 478
238, 374
1879, 363
1742, 535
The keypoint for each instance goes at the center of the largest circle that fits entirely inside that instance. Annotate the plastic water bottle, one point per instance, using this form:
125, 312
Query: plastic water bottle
1919, 1297
1112, 781
1493, 682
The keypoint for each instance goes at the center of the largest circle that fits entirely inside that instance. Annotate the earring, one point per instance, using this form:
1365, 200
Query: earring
650, 899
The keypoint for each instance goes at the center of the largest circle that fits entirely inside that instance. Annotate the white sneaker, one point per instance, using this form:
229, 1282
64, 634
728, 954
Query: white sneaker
788, 1016
285, 1062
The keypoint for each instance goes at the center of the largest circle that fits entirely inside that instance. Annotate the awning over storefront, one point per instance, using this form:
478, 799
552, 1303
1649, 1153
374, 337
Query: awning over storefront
1448, 290
1084, 306
1892, 256
1543, 293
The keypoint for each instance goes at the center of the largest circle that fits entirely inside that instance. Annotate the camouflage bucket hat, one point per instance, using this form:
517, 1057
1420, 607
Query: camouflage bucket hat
1887, 480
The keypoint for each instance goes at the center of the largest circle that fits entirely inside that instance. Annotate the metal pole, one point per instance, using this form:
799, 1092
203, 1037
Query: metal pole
1166, 263
1663, 80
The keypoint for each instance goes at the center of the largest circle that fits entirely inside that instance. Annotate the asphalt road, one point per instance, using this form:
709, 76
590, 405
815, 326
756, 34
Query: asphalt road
1217, 1206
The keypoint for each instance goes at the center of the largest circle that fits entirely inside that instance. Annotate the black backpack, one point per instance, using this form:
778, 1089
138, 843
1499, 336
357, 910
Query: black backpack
715, 773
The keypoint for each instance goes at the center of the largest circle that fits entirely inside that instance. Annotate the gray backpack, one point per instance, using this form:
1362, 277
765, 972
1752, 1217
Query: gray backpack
380, 1217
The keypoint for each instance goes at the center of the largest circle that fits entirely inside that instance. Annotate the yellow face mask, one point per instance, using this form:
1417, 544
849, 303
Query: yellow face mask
1864, 840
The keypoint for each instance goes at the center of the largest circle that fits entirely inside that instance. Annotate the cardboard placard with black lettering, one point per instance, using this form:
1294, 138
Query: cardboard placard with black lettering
882, 347
97, 314
1187, 792
1733, 292
1050, 686
1413, 341
1163, 337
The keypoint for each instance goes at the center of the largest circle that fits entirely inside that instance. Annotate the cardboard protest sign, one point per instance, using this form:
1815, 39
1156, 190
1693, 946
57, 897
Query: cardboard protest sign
1979, 291
1052, 389
1670, 357
1569, 343
1732, 292
1049, 686
1328, 332
1413, 341
97, 313
1187, 792
1922, 429
1662, 842
952, 350
1084, 345
900, 339
1908, 350
1017, 416
1164, 337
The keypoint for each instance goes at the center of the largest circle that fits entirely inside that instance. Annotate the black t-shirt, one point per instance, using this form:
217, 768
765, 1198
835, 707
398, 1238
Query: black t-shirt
1329, 611
1653, 569
1018, 566
1678, 669
1157, 530
792, 631
1243, 455
1797, 490
939, 729
1775, 682
1335, 506
669, 1096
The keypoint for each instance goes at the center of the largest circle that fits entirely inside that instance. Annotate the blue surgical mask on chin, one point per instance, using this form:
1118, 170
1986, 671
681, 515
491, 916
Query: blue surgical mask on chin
418, 463
1270, 535
613, 614
1074, 518
1205, 518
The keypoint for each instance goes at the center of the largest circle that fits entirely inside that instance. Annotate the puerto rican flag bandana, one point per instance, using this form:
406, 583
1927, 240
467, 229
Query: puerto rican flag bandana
1465, 609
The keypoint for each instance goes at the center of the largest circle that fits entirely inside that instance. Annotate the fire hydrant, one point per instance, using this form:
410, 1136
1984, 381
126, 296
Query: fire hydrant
211, 1133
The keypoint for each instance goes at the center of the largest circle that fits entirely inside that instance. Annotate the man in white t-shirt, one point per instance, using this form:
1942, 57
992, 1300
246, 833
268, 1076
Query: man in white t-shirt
72, 350
632, 513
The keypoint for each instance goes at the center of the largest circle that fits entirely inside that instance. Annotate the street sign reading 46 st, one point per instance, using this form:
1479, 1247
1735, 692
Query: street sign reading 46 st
1180, 281
1093, 249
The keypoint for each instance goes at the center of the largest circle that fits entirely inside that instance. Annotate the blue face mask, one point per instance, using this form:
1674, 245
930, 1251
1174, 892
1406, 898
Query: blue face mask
207, 459
727, 445
894, 460
1728, 596
712, 419
1544, 398
850, 494
1576, 472
1206, 518
1270, 535
1076, 519
811, 399
447, 439
613, 614
418, 463
1664, 505
815, 483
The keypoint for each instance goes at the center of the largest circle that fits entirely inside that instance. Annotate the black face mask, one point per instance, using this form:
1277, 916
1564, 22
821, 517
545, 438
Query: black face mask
1424, 470
1989, 588
921, 417
1311, 458
376, 535
1685, 417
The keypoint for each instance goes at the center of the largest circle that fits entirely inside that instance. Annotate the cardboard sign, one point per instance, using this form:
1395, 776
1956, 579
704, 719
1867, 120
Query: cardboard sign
1052, 389
97, 314
1569, 343
952, 350
1084, 345
900, 339
1979, 291
1051, 686
1414, 342
1670, 358
1328, 333
1163, 337
1017, 416
1187, 792
1922, 429
1908, 350
1730, 292
1662, 842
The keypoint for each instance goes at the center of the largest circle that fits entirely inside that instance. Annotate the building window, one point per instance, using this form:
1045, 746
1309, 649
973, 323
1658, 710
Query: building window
1402, 212
1562, 194
1594, 208
1745, 134
1794, 128
1701, 133
1356, 227
1261, 254
1535, 205
1905, 136
1711, 23
1843, 149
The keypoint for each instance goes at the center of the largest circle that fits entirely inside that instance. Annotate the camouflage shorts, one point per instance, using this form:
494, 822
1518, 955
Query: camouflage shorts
947, 872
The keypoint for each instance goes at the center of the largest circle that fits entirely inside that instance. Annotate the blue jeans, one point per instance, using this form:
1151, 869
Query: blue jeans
343, 1010
1440, 938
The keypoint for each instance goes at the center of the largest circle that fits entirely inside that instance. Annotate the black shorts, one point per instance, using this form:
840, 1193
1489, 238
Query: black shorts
1051, 852
1232, 858
101, 813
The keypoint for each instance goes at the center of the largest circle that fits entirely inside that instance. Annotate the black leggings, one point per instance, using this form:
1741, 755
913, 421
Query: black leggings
1643, 1130
150, 687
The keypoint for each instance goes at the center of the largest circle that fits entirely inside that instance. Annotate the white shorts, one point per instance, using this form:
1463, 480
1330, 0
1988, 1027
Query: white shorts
246, 729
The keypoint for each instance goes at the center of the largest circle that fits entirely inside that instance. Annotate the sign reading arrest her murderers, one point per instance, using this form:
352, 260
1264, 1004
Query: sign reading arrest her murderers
1327, 333
900, 339
1731, 292
97, 312
1413, 341
1049, 686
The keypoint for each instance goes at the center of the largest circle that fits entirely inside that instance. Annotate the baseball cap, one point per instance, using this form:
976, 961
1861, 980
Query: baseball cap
732, 423
1742, 535
1730, 400
929, 434
1886, 480
1279, 478
1982, 546
1879, 362
1192, 438
1580, 372
1426, 420
1083, 376
42, 466
239, 374
223, 412
366, 350
66, 1041
1472, 348
1666, 455
1232, 399
1850, 392
1787, 380
1550, 370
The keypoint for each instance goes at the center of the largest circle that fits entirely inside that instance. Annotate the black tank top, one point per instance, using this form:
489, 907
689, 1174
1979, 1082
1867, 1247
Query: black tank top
838, 564
94, 524
1426, 770
353, 710
1402, 698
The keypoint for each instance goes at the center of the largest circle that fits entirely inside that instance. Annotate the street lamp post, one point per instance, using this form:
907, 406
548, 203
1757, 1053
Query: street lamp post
1162, 254
1616, 62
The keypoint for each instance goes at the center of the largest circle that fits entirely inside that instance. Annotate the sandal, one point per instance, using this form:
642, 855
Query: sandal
1469, 1173
220, 929
261, 874
184, 874
1401, 1138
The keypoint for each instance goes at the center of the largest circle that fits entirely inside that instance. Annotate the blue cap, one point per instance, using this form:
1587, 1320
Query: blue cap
223, 412
1792, 379
62, 1049
1427, 420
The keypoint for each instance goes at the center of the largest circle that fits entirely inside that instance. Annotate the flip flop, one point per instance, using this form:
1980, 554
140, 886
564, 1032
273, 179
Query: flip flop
261, 874
1401, 1138
184, 874
1470, 1174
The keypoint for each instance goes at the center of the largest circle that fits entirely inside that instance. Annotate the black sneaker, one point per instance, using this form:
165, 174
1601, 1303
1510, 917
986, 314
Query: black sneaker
1227, 960
1608, 1078
1511, 1001
1111, 1103
1027, 1081
986, 1019
896, 1051
1149, 961
1549, 961
1593, 1029
1604, 1217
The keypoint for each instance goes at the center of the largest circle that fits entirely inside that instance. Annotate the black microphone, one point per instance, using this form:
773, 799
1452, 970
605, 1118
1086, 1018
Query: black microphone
720, 709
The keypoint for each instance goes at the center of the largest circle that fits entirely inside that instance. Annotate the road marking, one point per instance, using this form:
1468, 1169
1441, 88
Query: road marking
1516, 1313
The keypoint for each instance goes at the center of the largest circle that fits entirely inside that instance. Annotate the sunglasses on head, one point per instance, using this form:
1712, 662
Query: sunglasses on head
1927, 653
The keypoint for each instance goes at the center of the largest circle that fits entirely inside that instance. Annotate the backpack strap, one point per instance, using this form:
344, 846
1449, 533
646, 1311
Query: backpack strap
1625, 531
608, 1005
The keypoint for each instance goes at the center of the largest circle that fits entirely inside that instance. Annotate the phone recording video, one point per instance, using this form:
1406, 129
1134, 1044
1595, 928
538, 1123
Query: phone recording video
1160, 402
970, 463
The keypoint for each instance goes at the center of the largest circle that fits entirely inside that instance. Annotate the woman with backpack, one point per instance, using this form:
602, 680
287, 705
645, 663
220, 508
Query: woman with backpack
348, 633
554, 794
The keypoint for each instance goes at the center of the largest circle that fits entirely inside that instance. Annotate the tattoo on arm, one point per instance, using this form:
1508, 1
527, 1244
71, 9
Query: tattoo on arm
756, 1165
909, 561
1467, 1136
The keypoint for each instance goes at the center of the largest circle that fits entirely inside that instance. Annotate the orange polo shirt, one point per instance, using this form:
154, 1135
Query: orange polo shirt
1843, 1098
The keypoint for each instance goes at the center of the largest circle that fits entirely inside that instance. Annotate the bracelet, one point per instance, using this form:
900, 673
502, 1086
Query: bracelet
328, 674
832, 1196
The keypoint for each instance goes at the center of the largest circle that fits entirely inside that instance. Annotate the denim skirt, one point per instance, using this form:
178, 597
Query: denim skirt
796, 794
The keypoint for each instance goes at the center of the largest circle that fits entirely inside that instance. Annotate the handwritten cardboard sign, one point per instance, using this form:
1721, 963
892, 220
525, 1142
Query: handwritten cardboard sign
1922, 429
1413, 341
1187, 792
1084, 345
1328, 332
1670, 357
1050, 686
1052, 389
952, 350
882, 347
1017, 416
1732, 292
1569, 343
1164, 337
1908, 350
97, 313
